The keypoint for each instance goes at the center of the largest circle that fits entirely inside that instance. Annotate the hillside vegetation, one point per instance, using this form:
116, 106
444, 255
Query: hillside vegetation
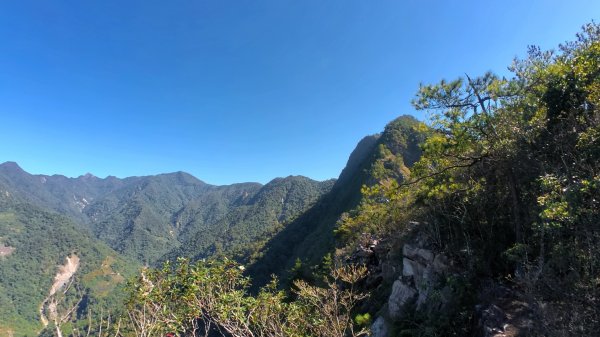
47, 219
153, 218
481, 221
310, 237
508, 187
41, 241
504, 188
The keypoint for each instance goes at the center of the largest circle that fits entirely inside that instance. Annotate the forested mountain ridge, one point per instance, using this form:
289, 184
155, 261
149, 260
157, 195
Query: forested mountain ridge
311, 236
241, 232
56, 192
38, 242
136, 219
47, 219
163, 217
150, 216
482, 222
489, 229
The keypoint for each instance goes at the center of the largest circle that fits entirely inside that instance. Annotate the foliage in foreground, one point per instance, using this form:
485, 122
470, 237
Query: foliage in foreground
509, 181
508, 185
212, 298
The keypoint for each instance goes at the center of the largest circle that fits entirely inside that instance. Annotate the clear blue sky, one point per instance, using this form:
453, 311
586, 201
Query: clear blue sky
233, 91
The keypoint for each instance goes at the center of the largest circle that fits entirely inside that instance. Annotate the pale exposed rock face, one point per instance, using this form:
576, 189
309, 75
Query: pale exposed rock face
422, 273
63, 276
65, 272
414, 281
416, 253
402, 294
6, 250
412, 268
380, 328
422, 270
422, 286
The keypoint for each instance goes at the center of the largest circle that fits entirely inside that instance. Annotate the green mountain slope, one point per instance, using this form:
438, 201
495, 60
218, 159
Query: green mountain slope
136, 219
151, 217
161, 217
154, 218
209, 208
483, 223
35, 243
157, 215
310, 236
144, 218
67, 196
245, 228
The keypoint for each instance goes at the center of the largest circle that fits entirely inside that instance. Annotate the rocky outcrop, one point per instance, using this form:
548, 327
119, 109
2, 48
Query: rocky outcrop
420, 279
402, 295
423, 283
380, 328
423, 274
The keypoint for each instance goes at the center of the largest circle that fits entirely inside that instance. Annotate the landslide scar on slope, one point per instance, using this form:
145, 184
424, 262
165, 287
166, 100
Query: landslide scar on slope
64, 274
6, 250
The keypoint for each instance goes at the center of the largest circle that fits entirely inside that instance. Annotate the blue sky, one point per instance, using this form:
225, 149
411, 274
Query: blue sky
234, 91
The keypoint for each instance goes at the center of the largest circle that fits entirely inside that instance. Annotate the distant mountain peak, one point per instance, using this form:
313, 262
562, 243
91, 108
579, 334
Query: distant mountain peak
88, 176
184, 177
11, 165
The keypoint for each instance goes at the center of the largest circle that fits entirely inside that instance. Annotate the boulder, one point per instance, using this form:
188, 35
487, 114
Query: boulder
402, 294
441, 264
422, 273
425, 283
412, 268
380, 328
416, 253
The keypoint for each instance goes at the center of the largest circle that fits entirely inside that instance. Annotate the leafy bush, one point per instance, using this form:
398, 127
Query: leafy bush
186, 299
